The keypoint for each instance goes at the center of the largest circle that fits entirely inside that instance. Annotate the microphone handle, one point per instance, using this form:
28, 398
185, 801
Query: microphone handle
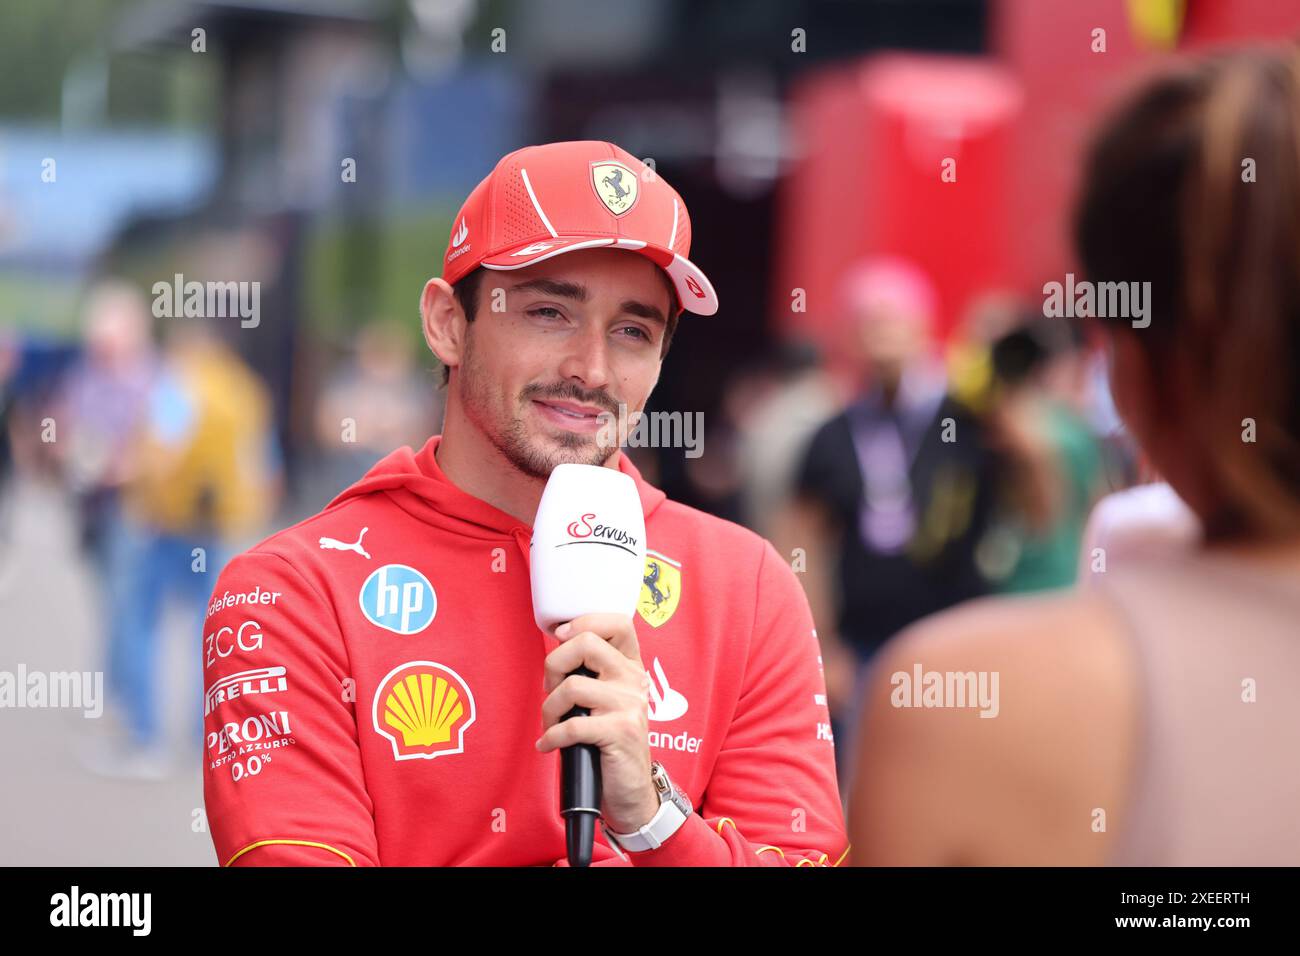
580, 791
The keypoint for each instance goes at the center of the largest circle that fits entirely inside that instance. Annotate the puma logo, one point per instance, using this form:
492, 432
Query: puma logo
332, 544
665, 703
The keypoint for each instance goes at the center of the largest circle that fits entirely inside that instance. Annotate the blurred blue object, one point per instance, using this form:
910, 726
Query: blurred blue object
101, 180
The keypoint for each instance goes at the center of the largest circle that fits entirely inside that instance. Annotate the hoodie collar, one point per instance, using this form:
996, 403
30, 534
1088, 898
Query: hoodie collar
418, 485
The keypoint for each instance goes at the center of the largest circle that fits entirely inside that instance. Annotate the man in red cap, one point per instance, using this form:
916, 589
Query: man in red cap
377, 690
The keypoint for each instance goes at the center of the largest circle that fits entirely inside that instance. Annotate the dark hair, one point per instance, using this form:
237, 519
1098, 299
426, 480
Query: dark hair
1165, 198
468, 289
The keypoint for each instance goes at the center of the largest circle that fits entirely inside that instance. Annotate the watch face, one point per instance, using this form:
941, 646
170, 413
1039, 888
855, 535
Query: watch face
669, 791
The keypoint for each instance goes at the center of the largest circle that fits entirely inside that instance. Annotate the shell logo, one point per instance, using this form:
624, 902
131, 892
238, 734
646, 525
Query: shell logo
423, 709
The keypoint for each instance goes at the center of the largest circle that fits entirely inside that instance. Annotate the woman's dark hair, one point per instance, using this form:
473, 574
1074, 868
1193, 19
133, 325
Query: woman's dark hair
1194, 185
468, 289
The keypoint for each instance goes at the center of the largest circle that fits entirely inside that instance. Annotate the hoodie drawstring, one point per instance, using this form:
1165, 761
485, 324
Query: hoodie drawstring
524, 538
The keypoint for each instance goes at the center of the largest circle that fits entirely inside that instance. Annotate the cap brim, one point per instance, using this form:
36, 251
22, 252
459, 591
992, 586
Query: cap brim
694, 290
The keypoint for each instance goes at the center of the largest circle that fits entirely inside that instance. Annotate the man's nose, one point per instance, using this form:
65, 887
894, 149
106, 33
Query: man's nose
587, 359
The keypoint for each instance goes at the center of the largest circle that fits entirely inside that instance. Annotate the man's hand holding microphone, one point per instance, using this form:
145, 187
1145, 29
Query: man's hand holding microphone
587, 561
616, 698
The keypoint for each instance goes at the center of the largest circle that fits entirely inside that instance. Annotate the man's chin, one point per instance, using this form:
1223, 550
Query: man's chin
568, 448
539, 455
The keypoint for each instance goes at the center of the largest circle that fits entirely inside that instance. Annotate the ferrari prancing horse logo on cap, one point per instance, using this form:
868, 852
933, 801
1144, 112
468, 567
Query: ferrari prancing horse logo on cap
616, 186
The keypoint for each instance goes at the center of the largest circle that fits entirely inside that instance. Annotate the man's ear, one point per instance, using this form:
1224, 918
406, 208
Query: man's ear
443, 322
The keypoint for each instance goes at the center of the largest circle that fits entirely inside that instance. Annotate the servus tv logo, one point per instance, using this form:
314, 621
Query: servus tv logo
588, 530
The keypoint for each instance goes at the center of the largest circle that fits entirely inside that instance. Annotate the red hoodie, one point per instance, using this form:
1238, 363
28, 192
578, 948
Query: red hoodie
374, 688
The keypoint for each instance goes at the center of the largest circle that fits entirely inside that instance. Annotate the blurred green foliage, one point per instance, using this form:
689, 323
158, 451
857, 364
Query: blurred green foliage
51, 47
355, 274
41, 306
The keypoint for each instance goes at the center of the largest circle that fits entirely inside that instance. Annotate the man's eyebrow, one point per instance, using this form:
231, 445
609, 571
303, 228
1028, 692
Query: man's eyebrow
578, 293
557, 287
642, 310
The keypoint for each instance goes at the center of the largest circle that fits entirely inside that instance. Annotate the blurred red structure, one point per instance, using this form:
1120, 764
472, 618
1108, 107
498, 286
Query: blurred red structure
1048, 47
875, 135
905, 155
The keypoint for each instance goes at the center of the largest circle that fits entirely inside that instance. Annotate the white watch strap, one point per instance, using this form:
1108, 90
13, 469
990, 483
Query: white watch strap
666, 822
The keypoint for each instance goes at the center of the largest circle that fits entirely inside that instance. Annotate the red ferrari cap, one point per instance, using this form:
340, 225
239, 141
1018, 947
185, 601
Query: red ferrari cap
544, 201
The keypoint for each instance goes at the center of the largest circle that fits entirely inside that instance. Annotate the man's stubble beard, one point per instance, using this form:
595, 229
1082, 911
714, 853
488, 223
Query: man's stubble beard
509, 435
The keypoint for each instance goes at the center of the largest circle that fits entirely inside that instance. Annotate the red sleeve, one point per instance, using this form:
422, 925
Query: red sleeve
773, 798
282, 777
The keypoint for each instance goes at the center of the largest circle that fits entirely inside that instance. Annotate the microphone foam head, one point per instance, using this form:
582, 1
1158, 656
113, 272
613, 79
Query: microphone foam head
588, 547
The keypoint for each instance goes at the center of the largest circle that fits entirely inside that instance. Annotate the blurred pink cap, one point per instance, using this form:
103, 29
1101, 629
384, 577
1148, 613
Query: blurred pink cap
892, 282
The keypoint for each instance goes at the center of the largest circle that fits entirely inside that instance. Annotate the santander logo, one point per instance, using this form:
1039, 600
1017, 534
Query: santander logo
461, 234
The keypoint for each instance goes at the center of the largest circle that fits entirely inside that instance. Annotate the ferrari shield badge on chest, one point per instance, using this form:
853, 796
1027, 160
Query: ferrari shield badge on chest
661, 589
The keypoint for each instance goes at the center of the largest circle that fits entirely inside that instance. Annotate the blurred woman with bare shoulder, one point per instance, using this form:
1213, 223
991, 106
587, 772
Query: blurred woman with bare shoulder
1152, 717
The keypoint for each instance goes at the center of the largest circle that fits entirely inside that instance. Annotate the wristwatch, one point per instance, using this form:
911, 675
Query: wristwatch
674, 810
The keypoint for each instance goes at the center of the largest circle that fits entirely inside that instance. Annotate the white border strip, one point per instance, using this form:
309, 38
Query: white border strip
554, 252
672, 236
536, 205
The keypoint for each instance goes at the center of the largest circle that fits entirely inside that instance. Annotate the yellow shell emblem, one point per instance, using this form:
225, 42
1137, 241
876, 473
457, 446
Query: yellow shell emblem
661, 589
616, 186
423, 709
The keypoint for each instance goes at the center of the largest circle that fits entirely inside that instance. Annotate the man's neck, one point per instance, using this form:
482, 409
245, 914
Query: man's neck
475, 466
886, 384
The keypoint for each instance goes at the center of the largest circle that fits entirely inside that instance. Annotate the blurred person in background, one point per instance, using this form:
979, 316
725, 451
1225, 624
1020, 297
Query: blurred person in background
776, 430
207, 476
1143, 516
1050, 459
1131, 524
103, 405
1129, 729
718, 482
893, 494
8, 371
376, 401
714, 482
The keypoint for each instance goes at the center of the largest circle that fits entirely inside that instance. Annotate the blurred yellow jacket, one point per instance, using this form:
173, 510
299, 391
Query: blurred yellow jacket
207, 460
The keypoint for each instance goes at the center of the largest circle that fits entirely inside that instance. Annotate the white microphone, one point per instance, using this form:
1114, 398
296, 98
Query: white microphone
588, 547
587, 557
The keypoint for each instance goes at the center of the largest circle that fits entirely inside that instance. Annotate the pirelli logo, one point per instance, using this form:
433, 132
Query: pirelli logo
261, 680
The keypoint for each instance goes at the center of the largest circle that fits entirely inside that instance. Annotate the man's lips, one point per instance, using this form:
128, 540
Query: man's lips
570, 415
583, 410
